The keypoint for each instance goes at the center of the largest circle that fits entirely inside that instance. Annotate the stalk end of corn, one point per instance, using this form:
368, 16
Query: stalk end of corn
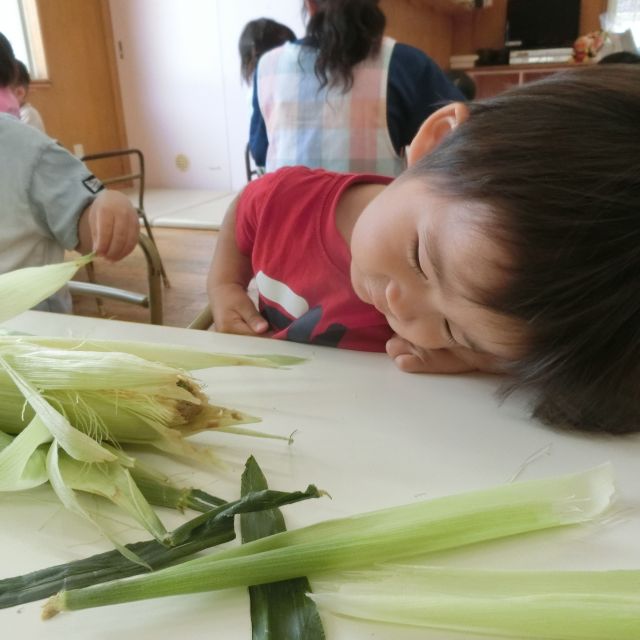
52, 607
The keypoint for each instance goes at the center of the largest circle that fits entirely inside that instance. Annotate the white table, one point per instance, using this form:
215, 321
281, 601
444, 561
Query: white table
369, 435
184, 208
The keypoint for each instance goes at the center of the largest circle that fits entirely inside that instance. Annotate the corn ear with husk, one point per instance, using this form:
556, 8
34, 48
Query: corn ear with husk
66, 401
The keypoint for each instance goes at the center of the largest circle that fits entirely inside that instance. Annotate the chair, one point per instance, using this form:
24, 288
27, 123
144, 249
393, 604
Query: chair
253, 171
151, 300
126, 178
203, 320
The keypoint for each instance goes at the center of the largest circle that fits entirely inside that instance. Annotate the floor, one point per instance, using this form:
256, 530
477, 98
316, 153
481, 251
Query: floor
186, 254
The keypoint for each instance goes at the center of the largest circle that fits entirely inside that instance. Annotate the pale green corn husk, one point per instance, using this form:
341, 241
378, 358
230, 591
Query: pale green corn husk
24, 288
109, 396
369, 538
23, 462
545, 605
128, 483
172, 355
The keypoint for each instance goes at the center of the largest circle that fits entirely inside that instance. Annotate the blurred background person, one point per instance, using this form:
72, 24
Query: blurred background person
464, 82
258, 37
28, 113
8, 100
345, 97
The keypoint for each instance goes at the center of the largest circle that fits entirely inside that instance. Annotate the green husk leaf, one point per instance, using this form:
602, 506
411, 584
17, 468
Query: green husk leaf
23, 462
197, 534
68, 498
366, 539
160, 491
278, 609
112, 481
545, 605
170, 355
24, 288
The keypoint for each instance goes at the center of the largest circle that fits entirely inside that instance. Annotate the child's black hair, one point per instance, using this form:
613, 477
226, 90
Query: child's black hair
557, 163
7, 62
345, 32
258, 37
22, 78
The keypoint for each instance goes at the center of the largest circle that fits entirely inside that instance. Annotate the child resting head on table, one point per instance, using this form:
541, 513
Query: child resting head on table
511, 244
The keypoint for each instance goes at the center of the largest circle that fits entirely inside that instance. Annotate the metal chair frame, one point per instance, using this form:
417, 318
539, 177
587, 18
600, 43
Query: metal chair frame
129, 177
152, 300
203, 320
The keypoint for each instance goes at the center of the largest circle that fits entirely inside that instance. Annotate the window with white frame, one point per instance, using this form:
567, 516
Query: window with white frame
623, 15
21, 25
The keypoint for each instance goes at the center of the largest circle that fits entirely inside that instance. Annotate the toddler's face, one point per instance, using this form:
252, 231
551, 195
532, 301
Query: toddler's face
419, 259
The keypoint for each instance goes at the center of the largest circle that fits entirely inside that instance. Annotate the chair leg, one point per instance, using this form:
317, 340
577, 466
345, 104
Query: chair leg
203, 320
147, 226
154, 273
91, 276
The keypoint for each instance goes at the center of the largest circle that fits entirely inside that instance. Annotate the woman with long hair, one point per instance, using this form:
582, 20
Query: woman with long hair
345, 97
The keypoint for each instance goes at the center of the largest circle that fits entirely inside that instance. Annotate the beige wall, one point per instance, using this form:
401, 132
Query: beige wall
421, 24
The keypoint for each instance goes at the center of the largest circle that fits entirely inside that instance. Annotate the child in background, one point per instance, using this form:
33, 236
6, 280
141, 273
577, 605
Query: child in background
512, 244
28, 113
258, 37
8, 101
51, 202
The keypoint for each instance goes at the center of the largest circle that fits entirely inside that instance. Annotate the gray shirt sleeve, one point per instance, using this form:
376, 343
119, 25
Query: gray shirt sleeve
60, 190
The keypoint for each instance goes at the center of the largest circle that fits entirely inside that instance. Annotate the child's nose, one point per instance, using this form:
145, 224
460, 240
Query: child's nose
400, 303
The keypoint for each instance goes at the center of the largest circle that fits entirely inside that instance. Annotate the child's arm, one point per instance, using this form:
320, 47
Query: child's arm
232, 308
407, 357
109, 226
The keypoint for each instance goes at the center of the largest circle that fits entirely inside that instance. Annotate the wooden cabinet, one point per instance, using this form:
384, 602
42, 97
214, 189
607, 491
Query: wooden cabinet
492, 80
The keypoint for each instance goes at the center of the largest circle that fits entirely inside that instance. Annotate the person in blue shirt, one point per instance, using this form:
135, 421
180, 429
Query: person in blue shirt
345, 97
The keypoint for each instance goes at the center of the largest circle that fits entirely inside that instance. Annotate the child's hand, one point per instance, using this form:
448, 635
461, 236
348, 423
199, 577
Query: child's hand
234, 311
109, 226
412, 359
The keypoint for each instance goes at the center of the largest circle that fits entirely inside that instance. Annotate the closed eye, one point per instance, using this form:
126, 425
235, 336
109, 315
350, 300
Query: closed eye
447, 330
414, 259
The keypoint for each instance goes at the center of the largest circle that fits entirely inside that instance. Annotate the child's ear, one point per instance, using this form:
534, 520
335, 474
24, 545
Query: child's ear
435, 128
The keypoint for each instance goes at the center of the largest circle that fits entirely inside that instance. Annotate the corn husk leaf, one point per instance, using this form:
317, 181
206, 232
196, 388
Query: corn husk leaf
172, 355
370, 538
545, 605
24, 288
67, 496
198, 534
23, 462
278, 609
112, 481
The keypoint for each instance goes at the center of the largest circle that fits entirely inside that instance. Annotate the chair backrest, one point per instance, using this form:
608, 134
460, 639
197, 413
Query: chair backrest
127, 177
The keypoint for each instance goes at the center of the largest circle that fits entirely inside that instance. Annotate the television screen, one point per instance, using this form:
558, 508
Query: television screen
542, 24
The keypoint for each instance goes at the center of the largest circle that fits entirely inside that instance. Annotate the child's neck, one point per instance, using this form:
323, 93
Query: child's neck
352, 203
